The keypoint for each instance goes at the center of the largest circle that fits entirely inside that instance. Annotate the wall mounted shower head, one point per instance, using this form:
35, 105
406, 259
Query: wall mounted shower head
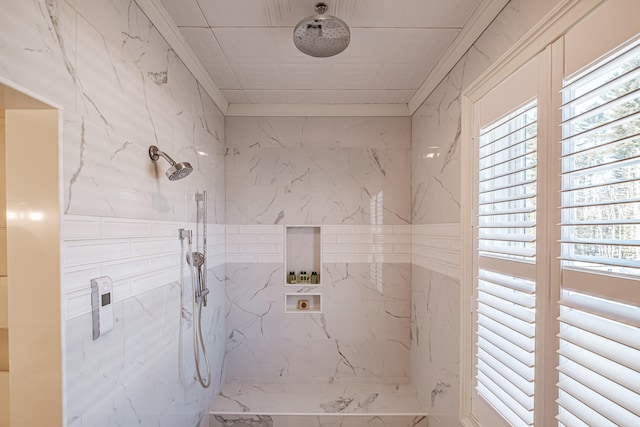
177, 170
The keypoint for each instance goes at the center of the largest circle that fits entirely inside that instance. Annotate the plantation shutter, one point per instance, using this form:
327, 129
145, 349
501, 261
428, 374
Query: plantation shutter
506, 243
599, 370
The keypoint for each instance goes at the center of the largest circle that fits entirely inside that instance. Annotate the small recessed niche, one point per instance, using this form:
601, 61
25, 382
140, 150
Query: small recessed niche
303, 303
303, 256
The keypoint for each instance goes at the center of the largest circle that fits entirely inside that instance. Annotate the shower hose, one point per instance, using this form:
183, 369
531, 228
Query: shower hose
198, 340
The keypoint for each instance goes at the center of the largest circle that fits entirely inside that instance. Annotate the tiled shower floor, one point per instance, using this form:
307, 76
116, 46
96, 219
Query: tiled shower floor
309, 405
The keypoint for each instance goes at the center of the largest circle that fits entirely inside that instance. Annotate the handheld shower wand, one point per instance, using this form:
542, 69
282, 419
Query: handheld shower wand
196, 261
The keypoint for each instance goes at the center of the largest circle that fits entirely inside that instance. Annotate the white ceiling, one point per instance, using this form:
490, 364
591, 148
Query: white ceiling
246, 53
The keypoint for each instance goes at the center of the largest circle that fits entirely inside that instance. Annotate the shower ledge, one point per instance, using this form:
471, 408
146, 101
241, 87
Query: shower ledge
310, 405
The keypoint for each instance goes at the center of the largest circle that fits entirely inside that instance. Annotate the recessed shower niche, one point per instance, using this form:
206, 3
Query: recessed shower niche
303, 267
303, 303
303, 256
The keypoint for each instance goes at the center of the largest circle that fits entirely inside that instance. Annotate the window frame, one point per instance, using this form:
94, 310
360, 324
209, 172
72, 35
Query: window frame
545, 35
540, 66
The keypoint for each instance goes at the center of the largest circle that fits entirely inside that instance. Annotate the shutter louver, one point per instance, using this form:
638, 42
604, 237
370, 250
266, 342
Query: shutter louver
599, 362
507, 186
506, 231
599, 366
601, 168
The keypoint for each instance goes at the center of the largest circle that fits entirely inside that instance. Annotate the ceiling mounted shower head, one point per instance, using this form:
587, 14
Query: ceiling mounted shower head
321, 35
177, 170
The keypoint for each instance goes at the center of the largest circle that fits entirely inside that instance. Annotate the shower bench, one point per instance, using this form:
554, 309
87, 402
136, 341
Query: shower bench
317, 405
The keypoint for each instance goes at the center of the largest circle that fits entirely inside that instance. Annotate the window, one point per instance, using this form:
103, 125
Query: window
553, 242
506, 251
599, 367
506, 235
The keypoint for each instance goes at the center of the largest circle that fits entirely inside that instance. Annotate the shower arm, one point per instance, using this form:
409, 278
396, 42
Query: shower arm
155, 154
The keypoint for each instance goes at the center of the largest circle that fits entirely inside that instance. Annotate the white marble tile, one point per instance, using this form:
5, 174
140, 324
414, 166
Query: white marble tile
518, 17
362, 333
404, 258
143, 327
319, 420
122, 89
436, 156
436, 125
359, 244
124, 109
100, 66
435, 164
37, 38
330, 229
449, 420
118, 382
124, 227
352, 283
435, 346
81, 227
319, 132
97, 363
317, 399
285, 170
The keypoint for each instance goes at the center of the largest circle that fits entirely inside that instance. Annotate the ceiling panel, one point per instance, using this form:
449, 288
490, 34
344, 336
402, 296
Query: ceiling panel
254, 13
185, 13
235, 96
357, 13
394, 75
328, 96
210, 54
405, 13
353, 76
303, 76
247, 47
260, 76
418, 48
368, 45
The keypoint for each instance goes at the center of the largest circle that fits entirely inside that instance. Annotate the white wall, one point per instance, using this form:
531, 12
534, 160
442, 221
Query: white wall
435, 154
122, 89
352, 176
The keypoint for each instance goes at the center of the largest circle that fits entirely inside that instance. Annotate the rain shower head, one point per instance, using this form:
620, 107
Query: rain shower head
177, 170
321, 35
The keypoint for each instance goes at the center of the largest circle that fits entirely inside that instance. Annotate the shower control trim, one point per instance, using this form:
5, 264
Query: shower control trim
101, 305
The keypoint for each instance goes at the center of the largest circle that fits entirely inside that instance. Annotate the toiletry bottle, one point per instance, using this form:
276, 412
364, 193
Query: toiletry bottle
292, 277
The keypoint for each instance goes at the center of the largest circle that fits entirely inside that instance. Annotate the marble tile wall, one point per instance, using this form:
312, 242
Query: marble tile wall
318, 170
367, 243
362, 334
435, 166
435, 347
121, 88
143, 370
352, 177
436, 247
264, 244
